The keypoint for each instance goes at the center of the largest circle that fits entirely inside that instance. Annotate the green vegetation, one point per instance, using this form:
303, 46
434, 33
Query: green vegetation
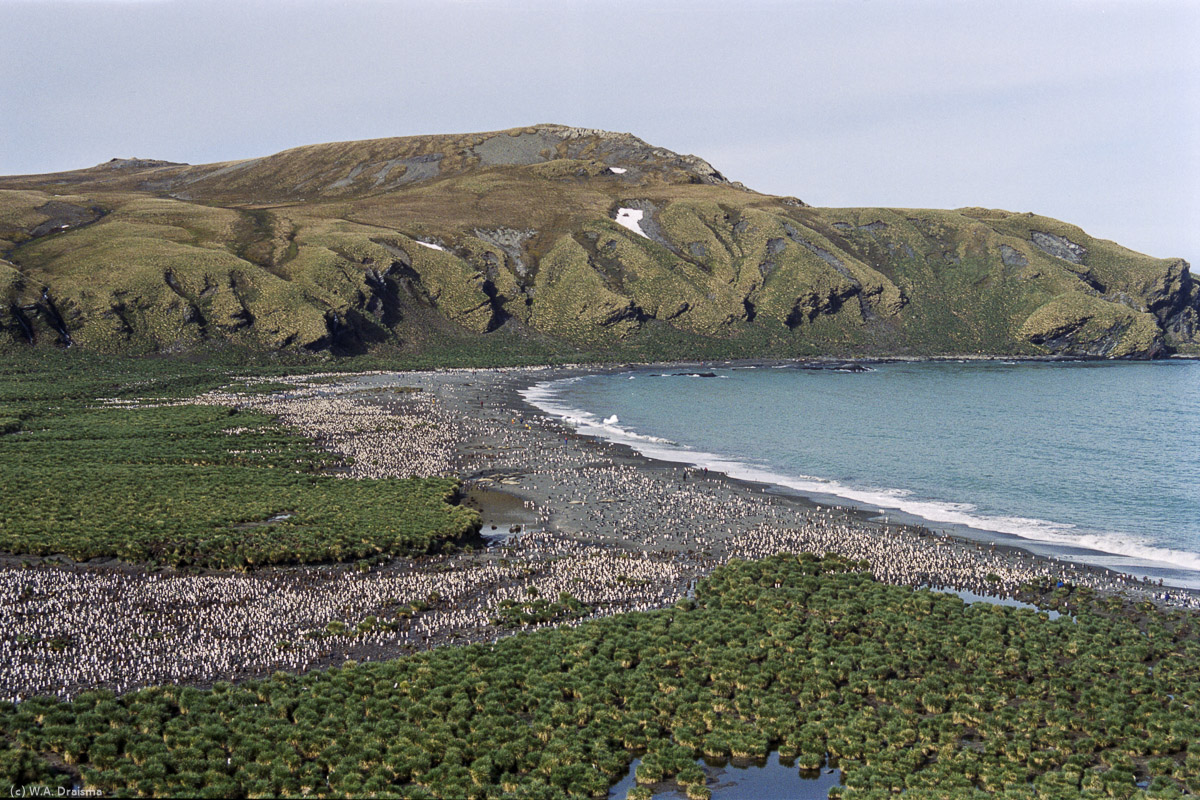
326, 249
537, 611
188, 485
906, 690
1085, 319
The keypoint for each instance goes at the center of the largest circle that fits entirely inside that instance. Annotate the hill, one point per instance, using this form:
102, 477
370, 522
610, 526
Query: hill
549, 241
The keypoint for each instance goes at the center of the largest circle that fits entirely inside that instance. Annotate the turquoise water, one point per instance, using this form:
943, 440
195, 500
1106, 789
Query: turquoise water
1096, 462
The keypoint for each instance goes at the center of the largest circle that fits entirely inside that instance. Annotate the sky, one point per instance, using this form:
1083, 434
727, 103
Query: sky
1084, 111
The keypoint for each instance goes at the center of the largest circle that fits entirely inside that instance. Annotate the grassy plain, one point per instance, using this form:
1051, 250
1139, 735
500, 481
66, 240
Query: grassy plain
184, 485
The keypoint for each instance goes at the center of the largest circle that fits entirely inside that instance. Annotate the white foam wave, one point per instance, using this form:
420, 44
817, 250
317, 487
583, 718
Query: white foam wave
544, 396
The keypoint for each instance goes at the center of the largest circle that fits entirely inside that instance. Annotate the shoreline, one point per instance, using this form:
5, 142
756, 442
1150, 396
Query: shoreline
978, 539
575, 515
1143, 569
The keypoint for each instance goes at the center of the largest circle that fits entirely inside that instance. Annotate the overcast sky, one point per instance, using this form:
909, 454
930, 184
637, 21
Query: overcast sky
1084, 111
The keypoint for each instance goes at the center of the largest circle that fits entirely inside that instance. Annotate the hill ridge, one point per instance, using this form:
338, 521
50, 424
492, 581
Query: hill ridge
545, 241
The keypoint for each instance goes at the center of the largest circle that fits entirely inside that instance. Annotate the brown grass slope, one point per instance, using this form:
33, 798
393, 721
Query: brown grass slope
508, 240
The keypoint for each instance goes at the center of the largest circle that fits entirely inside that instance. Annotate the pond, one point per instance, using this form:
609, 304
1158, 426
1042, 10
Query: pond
972, 597
745, 779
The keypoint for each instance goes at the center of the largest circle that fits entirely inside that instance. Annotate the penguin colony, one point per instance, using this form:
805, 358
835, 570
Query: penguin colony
615, 534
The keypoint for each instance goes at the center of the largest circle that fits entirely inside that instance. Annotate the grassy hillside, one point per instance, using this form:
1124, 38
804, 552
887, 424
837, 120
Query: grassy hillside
507, 242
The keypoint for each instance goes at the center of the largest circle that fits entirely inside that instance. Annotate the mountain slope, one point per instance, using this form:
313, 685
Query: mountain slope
553, 239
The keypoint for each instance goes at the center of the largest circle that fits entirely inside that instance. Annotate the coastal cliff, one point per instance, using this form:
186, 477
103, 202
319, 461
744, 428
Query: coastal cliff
553, 241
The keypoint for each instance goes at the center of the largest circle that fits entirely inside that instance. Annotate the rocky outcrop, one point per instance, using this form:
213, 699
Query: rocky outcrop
1058, 246
1174, 300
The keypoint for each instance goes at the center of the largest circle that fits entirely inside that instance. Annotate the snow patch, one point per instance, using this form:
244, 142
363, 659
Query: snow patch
431, 245
617, 170
631, 218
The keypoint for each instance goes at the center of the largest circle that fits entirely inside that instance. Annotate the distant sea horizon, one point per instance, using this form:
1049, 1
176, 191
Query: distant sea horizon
1091, 462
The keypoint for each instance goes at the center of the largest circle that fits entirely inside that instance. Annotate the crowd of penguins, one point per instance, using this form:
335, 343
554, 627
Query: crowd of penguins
612, 532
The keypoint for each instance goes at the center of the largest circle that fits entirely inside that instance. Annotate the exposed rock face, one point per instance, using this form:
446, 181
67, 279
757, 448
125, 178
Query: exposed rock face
1175, 301
625, 148
64, 216
1012, 258
512, 236
139, 163
511, 242
1058, 246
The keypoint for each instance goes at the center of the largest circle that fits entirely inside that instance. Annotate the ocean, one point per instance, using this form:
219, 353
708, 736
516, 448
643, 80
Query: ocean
1092, 462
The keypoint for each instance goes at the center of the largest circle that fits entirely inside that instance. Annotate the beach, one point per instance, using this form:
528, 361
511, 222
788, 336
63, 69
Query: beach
587, 527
